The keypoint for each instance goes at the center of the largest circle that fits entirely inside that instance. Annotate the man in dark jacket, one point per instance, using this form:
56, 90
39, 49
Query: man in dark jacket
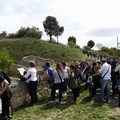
5, 95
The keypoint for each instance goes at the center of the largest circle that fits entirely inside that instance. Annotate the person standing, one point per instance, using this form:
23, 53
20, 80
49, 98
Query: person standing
90, 84
74, 82
105, 72
117, 69
96, 78
31, 77
58, 75
5, 94
48, 75
66, 78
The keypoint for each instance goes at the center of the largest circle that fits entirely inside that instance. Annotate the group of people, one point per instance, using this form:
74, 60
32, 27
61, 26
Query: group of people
95, 75
98, 74
59, 79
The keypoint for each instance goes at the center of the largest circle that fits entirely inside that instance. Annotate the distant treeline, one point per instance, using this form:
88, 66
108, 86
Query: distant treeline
23, 32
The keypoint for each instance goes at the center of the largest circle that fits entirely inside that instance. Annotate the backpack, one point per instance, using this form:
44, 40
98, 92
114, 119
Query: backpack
46, 75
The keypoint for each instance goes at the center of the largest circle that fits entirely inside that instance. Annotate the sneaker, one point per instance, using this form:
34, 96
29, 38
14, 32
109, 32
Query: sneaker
108, 100
119, 105
52, 101
103, 100
57, 91
64, 94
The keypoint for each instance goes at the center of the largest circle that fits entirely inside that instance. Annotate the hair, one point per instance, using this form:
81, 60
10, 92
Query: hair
47, 64
63, 63
73, 67
32, 63
94, 63
87, 63
103, 61
98, 62
59, 67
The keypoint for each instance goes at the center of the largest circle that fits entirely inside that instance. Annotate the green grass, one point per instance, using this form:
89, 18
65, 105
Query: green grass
19, 48
84, 109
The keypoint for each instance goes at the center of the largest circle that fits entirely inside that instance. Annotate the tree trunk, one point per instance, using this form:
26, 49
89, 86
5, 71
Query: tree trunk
57, 39
50, 38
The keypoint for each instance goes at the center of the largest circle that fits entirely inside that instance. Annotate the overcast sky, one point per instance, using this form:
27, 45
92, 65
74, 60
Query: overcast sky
97, 20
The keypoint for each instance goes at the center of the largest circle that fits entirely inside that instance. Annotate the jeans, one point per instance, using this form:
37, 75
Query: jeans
105, 83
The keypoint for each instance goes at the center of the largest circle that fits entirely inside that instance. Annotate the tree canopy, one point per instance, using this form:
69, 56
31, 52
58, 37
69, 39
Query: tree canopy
91, 43
51, 27
72, 38
23, 32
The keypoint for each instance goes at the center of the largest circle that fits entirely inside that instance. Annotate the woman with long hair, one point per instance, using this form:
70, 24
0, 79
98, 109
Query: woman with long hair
74, 82
58, 75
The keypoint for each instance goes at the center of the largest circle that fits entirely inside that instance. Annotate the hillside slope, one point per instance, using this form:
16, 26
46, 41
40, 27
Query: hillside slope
19, 48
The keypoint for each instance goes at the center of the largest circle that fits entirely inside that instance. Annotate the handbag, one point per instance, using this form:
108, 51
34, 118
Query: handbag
62, 81
73, 83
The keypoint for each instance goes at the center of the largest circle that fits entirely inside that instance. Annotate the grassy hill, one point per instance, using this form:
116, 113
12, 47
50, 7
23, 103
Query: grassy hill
19, 48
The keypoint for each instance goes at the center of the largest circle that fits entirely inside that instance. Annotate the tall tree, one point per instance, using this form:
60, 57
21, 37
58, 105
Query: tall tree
72, 38
3, 34
51, 27
59, 31
21, 32
90, 43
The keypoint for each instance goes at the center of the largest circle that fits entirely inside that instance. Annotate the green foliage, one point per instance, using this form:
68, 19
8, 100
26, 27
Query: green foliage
104, 49
51, 27
86, 48
71, 44
90, 43
73, 39
6, 60
23, 32
3, 34
19, 48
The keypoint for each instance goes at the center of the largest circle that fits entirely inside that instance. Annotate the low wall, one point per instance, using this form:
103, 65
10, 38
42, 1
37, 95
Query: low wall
20, 92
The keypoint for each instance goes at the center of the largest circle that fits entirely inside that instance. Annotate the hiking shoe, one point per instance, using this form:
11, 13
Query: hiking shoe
103, 100
64, 94
52, 101
118, 105
57, 91
108, 100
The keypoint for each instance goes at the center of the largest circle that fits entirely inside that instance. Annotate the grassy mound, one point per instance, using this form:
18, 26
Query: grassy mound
19, 48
